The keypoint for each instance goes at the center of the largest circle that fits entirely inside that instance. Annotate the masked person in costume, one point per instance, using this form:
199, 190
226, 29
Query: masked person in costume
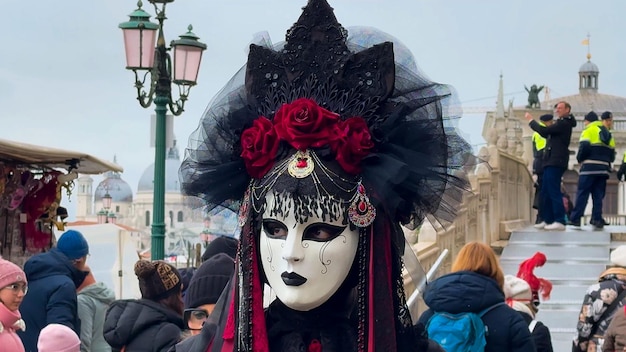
325, 145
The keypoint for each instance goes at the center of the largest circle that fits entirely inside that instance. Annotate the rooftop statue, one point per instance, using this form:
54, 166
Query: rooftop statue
533, 96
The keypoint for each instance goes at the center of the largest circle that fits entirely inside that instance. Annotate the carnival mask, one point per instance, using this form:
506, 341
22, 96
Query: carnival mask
305, 263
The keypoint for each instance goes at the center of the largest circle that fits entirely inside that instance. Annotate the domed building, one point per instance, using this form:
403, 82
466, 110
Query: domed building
89, 202
176, 211
184, 224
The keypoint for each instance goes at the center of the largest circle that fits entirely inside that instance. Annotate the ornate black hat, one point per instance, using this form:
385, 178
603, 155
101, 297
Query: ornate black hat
330, 115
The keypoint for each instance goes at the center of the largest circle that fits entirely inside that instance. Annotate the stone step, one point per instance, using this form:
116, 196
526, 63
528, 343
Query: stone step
559, 318
615, 244
567, 294
566, 253
562, 340
555, 271
576, 257
561, 238
572, 229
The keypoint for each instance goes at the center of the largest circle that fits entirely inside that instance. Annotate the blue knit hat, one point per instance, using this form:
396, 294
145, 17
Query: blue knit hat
73, 244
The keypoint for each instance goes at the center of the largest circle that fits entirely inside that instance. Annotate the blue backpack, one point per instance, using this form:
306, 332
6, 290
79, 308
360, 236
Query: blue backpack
462, 332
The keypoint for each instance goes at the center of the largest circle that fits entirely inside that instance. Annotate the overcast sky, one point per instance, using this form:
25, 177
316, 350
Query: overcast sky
63, 82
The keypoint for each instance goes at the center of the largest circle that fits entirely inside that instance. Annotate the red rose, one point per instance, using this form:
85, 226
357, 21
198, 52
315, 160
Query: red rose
259, 145
353, 144
304, 124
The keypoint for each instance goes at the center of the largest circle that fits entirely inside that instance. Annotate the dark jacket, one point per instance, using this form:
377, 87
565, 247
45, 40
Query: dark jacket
558, 135
597, 300
596, 150
541, 334
615, 336
142, 326
51, 297
467, 291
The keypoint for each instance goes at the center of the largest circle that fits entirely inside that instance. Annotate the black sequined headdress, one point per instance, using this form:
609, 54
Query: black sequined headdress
331, 110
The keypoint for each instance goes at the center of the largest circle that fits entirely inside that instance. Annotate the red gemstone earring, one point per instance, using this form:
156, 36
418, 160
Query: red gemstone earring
361, 212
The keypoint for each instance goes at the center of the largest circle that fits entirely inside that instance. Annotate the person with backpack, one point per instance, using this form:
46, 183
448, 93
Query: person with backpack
467, 311
519, 296
600, 303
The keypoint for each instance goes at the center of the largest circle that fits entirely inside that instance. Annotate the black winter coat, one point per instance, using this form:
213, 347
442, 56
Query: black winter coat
142, 326
558, 136
541, 334
467, 291
51, 297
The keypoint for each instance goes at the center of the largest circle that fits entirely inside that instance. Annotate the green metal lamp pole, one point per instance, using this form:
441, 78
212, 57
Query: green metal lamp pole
139, 35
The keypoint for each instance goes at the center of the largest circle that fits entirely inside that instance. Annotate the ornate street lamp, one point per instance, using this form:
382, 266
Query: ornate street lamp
144, 59
102, 216
111, 218
106, 201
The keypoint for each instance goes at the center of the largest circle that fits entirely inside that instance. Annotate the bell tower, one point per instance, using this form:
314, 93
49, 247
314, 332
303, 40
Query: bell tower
84, 197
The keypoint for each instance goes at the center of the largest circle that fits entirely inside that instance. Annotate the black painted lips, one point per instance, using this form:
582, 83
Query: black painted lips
292, 279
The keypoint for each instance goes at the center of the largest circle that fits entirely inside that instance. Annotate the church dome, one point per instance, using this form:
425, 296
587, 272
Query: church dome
117, 188
172, 184
588, 67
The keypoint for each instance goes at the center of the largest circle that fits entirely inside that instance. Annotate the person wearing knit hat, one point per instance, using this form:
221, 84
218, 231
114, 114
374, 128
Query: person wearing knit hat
601, 301
205, 288
221, 244
185, 275
73, 244
154, 322
596, 153
58, 338
53, 278
94, 299
13, 287
522, 293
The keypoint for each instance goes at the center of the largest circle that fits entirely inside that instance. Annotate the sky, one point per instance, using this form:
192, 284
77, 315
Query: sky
63, 81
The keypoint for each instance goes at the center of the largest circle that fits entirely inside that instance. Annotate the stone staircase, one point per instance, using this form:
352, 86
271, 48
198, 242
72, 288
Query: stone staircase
575, 258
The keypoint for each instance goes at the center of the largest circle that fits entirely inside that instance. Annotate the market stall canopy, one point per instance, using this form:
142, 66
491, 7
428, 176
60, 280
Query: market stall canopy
35, 155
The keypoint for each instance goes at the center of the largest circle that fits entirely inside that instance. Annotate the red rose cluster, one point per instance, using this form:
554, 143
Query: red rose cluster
304, 124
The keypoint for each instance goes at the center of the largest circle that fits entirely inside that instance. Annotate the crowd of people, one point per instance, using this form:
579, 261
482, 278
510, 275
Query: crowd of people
596, 154
325, 145
162, 320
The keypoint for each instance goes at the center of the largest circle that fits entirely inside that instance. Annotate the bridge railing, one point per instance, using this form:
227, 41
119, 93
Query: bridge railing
499, 202
612, 219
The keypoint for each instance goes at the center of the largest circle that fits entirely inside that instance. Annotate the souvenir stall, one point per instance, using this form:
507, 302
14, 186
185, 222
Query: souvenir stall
34, 180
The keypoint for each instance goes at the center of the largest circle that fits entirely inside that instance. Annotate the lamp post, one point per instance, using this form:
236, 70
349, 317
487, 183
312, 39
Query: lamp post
104, 215
143, 58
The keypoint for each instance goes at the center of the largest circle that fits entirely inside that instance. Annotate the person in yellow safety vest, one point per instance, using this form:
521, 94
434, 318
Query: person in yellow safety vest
539, 143
596, 152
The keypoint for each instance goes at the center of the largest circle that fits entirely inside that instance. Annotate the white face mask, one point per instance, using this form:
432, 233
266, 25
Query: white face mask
305, 263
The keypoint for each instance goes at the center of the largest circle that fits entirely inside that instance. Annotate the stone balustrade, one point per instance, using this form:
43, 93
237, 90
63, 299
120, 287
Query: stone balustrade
500, 200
